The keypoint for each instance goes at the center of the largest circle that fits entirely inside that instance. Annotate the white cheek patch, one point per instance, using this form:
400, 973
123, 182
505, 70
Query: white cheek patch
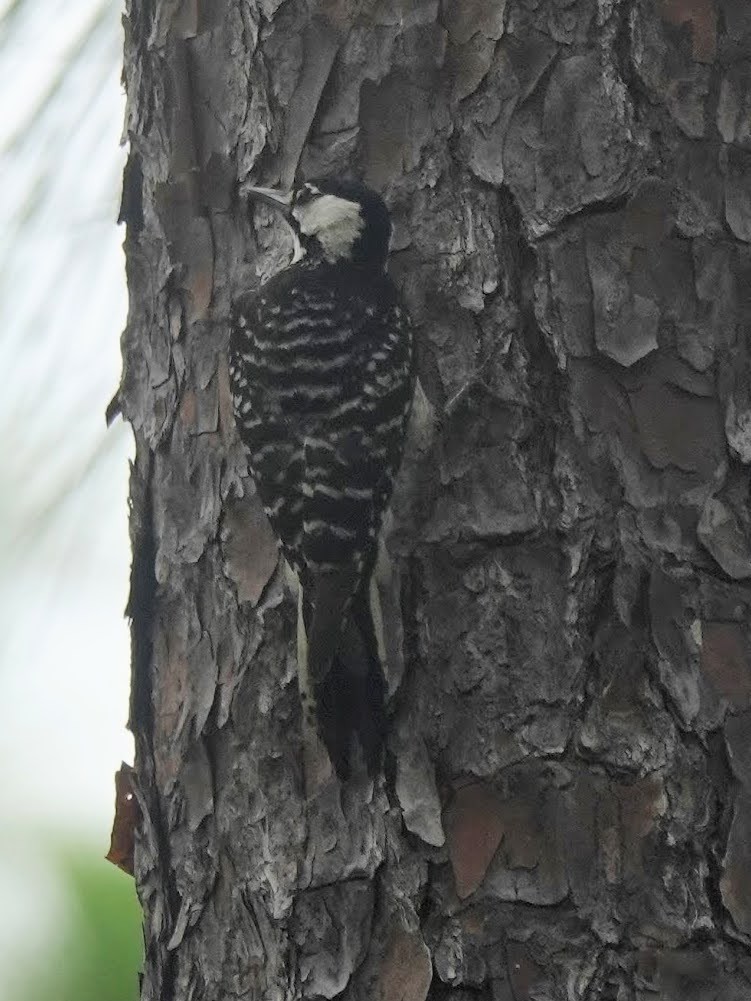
335, 222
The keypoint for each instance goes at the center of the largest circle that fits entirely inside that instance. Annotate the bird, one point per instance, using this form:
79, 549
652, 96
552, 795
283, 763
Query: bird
322, 375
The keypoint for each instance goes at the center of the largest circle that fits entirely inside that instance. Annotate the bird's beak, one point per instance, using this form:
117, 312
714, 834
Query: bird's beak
270, 196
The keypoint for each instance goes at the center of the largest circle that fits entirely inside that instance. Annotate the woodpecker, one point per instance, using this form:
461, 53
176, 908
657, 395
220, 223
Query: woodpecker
322, 377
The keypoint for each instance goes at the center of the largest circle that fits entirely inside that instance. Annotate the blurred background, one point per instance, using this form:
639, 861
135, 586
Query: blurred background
69, 921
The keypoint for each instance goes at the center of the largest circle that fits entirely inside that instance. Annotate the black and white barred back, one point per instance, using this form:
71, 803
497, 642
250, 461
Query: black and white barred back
322, 376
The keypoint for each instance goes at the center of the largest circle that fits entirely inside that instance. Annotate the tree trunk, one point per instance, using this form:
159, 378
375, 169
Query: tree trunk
566, 806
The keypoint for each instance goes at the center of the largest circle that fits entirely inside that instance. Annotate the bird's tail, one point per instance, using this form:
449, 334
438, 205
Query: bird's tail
345, 667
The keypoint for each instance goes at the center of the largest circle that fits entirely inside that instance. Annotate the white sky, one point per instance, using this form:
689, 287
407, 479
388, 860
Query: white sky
64, 558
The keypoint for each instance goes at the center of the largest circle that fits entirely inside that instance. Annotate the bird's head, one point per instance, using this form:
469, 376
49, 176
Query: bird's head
334, 220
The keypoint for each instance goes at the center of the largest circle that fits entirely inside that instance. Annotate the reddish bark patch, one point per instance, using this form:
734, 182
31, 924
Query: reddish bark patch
250, 549
642, 803
702, 17
725, 662
474, 824
122, 840
407, 970
188, 409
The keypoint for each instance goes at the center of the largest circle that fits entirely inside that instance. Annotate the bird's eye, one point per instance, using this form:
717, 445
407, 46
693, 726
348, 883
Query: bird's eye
304, 195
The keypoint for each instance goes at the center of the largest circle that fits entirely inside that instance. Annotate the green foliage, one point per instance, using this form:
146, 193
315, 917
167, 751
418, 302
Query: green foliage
97, 953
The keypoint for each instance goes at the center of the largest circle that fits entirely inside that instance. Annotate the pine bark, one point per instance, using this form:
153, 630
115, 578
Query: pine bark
566, 807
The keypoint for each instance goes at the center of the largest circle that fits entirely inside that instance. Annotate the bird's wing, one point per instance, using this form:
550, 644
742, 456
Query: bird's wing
348, 477
273, 444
